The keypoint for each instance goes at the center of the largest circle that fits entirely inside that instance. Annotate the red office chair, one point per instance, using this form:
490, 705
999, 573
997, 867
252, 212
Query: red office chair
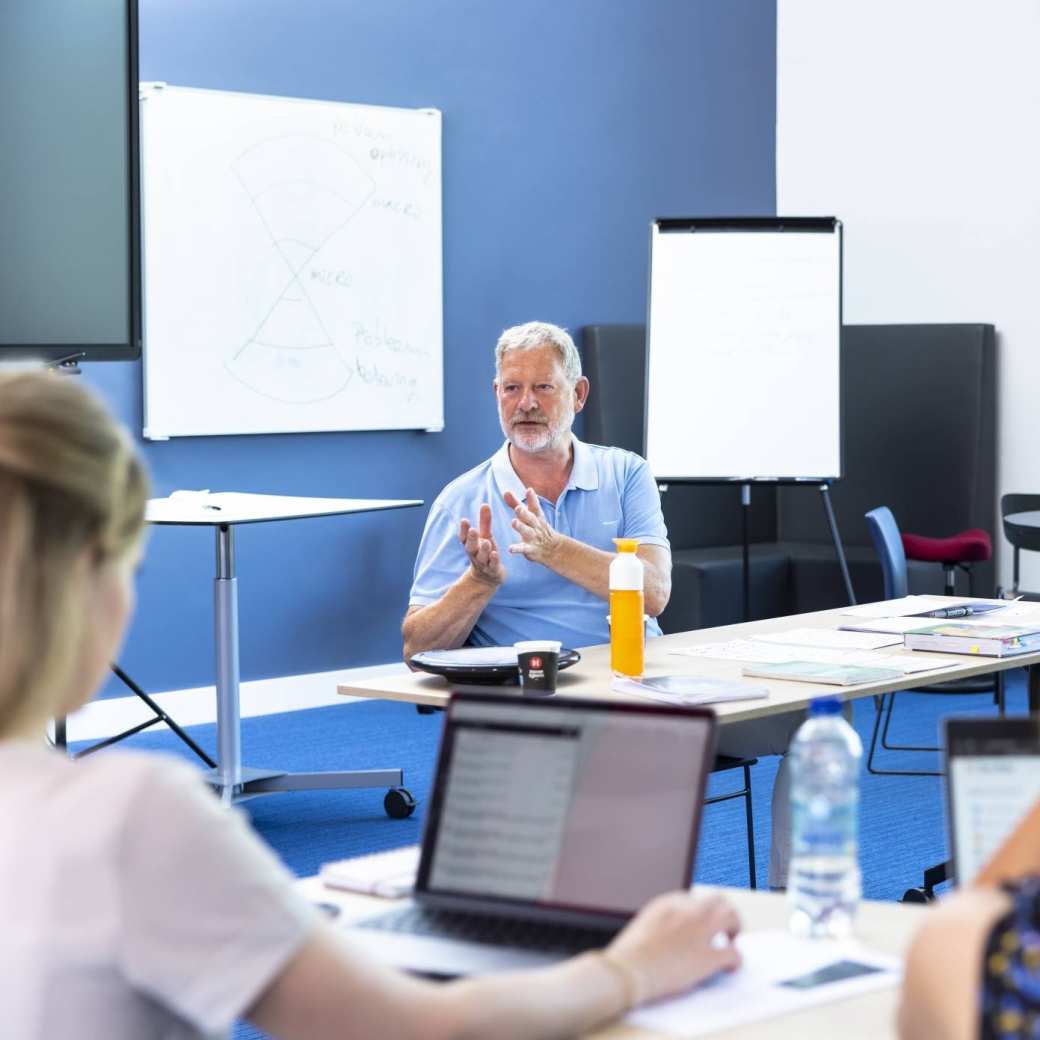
959, 551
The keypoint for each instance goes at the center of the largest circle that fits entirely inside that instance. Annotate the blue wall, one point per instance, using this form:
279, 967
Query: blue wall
568, 125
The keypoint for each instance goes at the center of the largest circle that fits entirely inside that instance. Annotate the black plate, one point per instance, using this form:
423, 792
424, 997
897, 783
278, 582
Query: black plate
483, 674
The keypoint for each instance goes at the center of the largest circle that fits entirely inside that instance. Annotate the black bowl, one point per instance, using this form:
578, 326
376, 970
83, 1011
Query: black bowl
484, 675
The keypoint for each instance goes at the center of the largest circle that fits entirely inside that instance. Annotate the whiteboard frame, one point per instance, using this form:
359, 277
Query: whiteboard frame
150, 89
712, 225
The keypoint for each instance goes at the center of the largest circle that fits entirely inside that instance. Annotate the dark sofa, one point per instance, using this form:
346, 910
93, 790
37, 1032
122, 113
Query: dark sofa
920, 437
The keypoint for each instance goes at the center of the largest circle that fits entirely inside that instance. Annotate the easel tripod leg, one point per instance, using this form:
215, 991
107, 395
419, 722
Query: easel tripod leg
833, 525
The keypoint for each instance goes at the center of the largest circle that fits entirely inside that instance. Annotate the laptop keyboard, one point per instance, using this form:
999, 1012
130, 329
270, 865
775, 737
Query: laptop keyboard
538, 936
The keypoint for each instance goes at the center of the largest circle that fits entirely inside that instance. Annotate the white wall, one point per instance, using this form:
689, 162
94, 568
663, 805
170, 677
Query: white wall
917, 122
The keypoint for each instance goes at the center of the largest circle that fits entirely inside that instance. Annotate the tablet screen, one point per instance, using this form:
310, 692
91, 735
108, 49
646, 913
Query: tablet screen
993, 778
839, 971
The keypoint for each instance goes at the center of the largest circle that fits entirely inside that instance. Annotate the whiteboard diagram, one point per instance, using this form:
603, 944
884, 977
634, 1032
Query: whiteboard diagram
292, 261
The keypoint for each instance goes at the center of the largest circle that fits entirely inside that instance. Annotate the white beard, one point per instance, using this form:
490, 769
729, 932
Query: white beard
535, 441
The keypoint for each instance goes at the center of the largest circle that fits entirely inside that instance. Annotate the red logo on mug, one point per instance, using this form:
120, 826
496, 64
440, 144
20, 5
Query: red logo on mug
536, 662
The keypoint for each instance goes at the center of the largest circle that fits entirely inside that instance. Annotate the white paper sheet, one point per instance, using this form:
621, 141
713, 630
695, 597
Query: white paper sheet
773, 653
471, 657
830, 639
1013, 614
753, 992
890, 608
907, 662
735, 650
908, 605
893, 625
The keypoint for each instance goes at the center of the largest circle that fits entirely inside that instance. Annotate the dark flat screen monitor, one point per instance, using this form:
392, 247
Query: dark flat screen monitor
70, 243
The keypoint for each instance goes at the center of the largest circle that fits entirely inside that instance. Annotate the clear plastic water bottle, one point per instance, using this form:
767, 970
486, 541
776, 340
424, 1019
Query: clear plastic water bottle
824, 883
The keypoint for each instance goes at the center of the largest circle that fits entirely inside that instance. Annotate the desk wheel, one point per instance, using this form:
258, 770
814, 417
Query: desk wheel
399, 803
917, 895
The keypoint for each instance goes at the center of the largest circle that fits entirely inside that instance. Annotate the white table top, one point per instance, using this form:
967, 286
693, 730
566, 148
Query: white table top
591, 677
885, 927
222, 508
1030, 518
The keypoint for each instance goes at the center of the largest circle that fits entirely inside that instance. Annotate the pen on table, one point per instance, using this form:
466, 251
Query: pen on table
952, 612
968, 609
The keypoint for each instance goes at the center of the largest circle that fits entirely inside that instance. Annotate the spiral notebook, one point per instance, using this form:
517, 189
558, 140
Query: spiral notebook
688, 689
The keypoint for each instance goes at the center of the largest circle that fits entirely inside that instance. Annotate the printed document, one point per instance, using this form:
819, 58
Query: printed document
748, 650
780, 974
830, 639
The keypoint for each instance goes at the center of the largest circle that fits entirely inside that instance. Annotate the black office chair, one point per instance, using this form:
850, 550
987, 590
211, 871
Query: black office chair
889, 546
722, 764
1020, 536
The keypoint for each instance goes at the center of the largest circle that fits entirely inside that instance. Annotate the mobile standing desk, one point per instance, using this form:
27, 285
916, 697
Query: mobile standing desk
223, 512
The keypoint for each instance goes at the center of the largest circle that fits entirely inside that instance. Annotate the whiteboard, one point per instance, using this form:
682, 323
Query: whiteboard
291, 264
744, 350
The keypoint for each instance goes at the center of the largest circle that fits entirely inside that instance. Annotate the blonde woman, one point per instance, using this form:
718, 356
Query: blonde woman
132, 905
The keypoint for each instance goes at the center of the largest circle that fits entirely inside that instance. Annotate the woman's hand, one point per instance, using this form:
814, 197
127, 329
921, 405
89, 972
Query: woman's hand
676, 941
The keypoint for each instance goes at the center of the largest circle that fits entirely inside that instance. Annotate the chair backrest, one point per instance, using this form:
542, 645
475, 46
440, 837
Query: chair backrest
889, 546
1020, 536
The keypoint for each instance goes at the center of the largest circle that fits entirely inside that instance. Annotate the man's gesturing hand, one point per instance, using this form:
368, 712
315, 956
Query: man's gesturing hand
538, 541
481, 549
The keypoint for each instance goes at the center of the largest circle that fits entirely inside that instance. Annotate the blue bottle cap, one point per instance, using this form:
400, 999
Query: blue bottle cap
825, 706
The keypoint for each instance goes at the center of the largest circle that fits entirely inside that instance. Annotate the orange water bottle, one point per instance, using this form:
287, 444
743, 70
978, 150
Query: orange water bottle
626, 609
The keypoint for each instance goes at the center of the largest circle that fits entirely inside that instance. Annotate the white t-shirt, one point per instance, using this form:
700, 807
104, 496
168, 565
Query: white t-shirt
131, 904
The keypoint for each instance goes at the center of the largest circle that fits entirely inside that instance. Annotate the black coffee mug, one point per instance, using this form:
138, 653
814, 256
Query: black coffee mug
539, 661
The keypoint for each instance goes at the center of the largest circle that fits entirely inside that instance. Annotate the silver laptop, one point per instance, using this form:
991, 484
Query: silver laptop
992, 781
550, 823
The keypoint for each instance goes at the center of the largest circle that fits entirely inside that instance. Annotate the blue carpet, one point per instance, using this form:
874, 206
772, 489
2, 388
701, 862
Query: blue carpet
901, 818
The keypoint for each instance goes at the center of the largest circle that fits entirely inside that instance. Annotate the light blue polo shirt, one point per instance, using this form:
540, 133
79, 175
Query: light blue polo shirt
611, 494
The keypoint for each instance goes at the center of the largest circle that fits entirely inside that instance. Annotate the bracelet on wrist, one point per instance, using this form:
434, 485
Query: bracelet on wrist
627, 976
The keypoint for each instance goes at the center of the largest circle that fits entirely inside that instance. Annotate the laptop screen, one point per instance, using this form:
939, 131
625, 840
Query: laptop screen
993, 780
568, 804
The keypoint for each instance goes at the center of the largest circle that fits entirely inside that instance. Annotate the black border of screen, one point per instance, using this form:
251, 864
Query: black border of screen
1022, 731
580, 915
131, 349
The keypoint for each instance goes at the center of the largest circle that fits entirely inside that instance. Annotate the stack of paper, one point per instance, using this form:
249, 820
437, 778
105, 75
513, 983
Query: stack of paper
987, 640
390, 874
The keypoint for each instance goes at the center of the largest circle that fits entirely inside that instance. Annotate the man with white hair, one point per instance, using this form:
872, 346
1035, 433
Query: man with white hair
519, 547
